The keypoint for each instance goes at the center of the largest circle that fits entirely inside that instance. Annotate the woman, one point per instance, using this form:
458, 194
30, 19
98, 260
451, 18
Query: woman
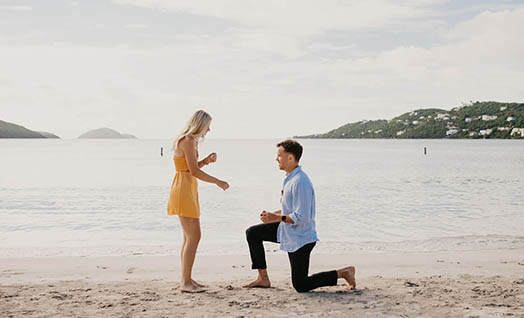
183, 199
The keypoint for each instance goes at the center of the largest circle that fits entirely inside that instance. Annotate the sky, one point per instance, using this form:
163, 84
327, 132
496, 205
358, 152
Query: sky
262, 69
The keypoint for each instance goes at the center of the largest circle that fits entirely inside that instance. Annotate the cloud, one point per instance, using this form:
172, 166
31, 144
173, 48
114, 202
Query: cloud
136, 26
299, 17
15, 8
284, 28
254, 79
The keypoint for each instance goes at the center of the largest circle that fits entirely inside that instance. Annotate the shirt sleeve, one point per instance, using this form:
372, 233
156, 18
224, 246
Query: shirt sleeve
302, 201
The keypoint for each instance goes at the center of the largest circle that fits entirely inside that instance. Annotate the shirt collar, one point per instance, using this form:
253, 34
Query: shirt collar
294, 172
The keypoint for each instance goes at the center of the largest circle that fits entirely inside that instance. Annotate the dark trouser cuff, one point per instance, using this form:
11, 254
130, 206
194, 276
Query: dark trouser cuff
253, 266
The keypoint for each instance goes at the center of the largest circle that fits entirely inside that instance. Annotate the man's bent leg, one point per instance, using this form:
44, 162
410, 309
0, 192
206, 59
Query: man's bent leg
256, 235
299, 261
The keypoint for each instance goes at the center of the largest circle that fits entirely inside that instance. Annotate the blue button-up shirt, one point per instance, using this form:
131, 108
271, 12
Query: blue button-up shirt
298, 202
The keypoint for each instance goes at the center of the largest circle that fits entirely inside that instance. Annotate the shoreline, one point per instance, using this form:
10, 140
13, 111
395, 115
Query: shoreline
34, 270
466, 243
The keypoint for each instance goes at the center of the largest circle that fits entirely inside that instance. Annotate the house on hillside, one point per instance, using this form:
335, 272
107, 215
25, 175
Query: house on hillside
517, 131
444, 116
488, 117
485, 132
451, 132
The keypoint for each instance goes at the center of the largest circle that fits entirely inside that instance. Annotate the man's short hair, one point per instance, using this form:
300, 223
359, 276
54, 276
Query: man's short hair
293, 147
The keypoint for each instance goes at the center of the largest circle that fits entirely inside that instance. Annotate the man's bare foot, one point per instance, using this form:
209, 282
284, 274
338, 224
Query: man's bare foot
258, 283
197, 283
190, 288
348, 273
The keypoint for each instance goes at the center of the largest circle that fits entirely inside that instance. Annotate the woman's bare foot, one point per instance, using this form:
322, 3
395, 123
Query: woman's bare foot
258, 283
197, 284
348, 273
190, 288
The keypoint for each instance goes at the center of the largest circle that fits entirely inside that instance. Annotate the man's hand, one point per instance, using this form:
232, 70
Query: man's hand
268, 217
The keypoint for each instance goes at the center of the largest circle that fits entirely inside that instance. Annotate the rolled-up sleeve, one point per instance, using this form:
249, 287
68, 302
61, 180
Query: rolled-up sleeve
302, 203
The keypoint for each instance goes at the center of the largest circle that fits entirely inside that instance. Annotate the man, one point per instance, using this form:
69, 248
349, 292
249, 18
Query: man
293, 227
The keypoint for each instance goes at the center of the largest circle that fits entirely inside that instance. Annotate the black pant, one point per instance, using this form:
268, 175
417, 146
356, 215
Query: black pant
299, 260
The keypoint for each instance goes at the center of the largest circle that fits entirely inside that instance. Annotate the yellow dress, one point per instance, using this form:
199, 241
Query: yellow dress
183, 199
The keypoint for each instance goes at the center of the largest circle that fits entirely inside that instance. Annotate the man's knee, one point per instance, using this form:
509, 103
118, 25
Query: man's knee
253, 233
250, 233
300, 287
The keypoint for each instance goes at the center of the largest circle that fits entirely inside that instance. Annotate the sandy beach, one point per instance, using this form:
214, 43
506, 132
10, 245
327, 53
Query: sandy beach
390, 284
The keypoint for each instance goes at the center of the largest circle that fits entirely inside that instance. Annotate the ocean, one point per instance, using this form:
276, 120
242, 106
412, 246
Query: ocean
77, 197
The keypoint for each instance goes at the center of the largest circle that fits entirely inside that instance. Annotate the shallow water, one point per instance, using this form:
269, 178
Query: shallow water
108, 197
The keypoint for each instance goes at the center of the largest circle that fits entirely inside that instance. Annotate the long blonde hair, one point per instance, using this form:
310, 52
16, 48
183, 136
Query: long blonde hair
196, 127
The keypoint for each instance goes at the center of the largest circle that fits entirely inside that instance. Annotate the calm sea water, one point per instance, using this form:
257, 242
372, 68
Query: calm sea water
109, 197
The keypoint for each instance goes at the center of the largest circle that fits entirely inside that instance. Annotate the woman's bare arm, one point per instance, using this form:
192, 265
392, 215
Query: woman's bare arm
188, 146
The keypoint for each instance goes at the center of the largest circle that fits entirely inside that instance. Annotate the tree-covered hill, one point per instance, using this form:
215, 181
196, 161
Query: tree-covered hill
105, 133
10, 130
476, 120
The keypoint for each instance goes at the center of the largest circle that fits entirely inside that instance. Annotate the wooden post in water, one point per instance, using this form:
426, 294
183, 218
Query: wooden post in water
161, 151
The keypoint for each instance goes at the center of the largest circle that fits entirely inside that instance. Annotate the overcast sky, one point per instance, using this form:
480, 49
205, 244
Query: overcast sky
263, 69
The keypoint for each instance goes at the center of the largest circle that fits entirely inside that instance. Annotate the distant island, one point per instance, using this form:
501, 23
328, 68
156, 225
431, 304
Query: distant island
10, 130
105, 133
475, 120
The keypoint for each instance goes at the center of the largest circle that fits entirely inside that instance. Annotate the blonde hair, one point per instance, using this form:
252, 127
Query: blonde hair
196, 127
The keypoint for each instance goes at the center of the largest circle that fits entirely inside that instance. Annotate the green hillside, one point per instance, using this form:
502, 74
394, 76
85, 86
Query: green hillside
476, 120
10, 130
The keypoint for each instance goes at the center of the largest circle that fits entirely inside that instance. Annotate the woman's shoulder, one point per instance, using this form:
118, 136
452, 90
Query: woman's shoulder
187, 140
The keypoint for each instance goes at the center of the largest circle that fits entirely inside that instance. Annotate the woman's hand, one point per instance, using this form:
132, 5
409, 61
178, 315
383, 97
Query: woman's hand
222, 184
212, 157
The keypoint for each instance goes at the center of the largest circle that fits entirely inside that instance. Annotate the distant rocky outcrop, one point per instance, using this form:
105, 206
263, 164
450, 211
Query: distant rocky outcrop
105, 133
10, 130
473, 120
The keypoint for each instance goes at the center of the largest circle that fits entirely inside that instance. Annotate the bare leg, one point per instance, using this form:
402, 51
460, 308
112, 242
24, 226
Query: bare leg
348, 273
261, 282
191, 228
181, 255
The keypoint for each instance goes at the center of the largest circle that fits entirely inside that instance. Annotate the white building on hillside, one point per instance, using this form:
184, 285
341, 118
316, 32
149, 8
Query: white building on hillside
485, 132
488, 117
517, 131
451, 132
